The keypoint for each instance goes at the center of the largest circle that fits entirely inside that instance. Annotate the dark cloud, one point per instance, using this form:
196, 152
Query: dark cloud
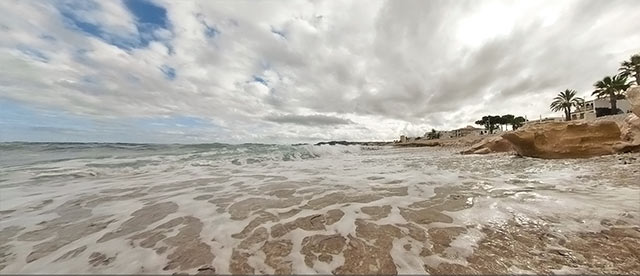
394, 67
308, 120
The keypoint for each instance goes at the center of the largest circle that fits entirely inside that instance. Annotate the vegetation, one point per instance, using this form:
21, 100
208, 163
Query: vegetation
612, 87
491, 123
631, 67
605, 111
507, 120
564, 101
518, 122
433, 134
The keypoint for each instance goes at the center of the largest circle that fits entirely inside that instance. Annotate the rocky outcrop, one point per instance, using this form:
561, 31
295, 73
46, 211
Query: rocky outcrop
419, 143
633, 96
460, 142
554, 140
493, 144
580, 139
630, 128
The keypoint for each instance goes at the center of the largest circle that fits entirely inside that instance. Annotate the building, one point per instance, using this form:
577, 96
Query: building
588, 111
438, 134
446, 134
546, 119
467, 131
456, 133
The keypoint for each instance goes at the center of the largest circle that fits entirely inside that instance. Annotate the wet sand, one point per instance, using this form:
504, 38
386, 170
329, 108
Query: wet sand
451, 215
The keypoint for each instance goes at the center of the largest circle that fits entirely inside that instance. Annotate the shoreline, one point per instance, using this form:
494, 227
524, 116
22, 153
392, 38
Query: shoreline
386, 211
460, 142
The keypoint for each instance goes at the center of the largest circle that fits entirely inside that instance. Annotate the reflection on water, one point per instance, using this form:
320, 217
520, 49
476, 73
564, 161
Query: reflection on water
95, 208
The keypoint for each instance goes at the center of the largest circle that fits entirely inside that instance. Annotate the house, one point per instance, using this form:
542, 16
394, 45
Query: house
589, 110
446, 134
546, 119
467, 131
438, 134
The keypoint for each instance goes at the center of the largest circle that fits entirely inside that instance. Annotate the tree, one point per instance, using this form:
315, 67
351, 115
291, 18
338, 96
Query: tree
507, 120
489, 122
496, 120
612, 87
518, 122
500, 121
433, 134
631, 67
564, 101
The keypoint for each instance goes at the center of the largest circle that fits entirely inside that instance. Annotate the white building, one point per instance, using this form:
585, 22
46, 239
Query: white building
467, 131
546, 119
588, 110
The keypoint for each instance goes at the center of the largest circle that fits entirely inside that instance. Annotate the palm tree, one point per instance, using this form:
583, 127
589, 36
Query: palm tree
631, 68
564, 101
611, 87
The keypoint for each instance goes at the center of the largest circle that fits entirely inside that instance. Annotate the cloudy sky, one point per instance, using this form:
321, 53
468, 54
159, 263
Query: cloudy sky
294, 71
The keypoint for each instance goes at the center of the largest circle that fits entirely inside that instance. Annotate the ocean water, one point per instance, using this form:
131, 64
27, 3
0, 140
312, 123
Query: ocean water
252, 208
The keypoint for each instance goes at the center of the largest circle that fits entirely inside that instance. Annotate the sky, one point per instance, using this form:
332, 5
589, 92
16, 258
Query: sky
174, 71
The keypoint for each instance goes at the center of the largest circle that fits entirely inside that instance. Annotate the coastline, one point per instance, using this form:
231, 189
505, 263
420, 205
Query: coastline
460, 142
392, 211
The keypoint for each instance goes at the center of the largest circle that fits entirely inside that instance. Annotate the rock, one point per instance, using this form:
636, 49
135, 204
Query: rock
206, 270
490, 145
630, 129
580, 139
554, 140
419, 143
633, 96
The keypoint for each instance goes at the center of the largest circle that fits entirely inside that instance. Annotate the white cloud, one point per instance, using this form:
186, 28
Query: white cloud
390, 67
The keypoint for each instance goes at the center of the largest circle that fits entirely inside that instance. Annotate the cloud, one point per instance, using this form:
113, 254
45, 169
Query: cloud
308, 120
249, 69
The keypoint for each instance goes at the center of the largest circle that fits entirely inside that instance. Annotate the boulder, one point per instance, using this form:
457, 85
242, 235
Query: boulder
630, 129
492, 144
567, 139
633, 96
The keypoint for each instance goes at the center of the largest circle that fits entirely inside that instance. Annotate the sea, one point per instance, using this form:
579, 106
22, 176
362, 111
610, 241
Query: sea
118, 208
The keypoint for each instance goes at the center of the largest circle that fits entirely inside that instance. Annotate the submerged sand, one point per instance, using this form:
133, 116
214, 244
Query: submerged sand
390, 211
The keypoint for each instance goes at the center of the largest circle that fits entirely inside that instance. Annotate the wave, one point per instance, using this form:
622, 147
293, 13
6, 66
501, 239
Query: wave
80, 160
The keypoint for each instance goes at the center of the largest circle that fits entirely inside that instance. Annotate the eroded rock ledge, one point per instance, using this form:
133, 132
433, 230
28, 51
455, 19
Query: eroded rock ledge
566, 139
493, 144
576, 139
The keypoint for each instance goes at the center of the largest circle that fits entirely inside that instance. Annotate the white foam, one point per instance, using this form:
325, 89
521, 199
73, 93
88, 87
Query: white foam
499, 189
463, 245
407, 262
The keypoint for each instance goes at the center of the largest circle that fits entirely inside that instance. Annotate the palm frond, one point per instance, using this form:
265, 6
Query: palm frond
565, 100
